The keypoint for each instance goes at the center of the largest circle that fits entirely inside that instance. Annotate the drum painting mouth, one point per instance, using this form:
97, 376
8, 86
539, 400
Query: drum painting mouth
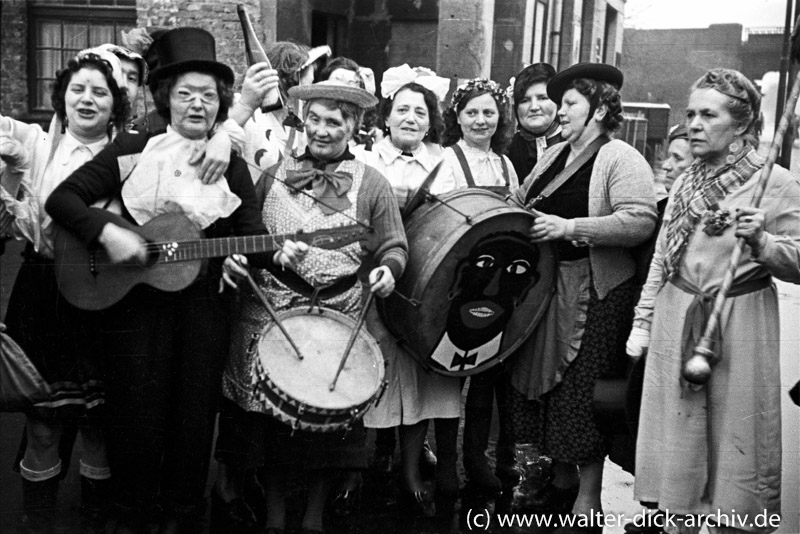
477, 315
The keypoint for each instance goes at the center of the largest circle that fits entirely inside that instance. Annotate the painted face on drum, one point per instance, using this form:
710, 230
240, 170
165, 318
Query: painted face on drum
489, 285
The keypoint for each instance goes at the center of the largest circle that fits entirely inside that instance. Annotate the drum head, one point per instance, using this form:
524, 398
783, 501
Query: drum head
476, 283
322, 339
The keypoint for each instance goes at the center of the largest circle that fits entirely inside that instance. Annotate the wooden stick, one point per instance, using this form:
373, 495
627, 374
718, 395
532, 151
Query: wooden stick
271, 312
697, 369
350, 342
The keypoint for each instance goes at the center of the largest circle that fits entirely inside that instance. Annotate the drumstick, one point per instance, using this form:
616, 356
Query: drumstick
271, 312
350, 342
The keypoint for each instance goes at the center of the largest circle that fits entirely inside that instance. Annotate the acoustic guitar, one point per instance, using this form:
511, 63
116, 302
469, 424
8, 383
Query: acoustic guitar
175, 252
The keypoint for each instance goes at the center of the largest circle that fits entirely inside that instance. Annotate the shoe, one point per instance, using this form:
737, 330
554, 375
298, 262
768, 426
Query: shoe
416, 503
383, 464
482, 481
345, 503
234, 516
427, 461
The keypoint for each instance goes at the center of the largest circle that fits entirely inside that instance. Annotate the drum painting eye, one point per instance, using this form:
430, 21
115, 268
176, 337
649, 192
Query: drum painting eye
484, 262
518, 267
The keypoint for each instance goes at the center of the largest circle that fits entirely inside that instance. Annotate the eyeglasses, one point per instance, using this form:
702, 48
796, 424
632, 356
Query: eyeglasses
186, 95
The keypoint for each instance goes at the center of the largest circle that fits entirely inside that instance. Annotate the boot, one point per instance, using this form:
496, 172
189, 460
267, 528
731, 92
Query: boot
94, 504
477, 424
39, 505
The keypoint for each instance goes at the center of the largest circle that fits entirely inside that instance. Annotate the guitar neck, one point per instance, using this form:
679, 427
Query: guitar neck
199, 249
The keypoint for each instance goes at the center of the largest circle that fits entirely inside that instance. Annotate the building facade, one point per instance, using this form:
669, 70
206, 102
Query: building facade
661, 65
460, 39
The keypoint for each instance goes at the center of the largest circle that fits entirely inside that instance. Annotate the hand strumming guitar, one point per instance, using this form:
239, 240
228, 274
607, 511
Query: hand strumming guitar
122, 245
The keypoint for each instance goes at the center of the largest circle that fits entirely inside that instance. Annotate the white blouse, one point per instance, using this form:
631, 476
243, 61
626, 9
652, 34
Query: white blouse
31, 221
405, 173
486, 167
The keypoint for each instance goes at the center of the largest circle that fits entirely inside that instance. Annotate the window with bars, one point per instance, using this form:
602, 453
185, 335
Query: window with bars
59, 29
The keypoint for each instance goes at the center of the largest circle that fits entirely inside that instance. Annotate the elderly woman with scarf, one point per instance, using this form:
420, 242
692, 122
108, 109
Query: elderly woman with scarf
320, 189
715, 450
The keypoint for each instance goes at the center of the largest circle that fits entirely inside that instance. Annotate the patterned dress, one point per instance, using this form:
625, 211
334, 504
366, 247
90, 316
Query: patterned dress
284, 212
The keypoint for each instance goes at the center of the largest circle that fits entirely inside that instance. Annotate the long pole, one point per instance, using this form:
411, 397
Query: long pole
784, 68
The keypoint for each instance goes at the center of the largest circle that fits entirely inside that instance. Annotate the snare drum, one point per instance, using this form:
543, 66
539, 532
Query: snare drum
475, 287
297, 392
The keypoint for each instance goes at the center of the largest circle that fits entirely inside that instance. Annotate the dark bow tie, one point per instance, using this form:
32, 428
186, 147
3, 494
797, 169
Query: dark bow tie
293, 121
462, 361
330, 187
407, 153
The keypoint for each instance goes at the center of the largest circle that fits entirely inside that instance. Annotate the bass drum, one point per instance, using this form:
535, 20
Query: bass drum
475, 287
297, 392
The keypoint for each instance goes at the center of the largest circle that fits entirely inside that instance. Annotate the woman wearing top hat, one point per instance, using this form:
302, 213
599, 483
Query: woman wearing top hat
165, 350
320, 189
605, 206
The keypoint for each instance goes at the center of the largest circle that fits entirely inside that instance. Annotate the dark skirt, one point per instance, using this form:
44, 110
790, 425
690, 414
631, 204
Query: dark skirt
562, 423
62, 341
249, 440
166, 352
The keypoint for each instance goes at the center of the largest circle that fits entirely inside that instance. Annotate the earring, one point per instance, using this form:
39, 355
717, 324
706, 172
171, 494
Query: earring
733, 150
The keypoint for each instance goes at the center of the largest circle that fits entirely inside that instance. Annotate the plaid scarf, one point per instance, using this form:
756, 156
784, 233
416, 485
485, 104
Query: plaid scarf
700, 192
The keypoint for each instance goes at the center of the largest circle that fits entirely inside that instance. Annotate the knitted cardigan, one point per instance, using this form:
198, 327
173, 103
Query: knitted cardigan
622, 210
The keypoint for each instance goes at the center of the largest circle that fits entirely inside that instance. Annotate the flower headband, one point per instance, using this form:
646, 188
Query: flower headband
479, 84
397, 77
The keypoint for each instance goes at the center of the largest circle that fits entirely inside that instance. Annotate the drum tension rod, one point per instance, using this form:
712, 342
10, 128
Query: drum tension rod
444, 203
414, 302
271, 312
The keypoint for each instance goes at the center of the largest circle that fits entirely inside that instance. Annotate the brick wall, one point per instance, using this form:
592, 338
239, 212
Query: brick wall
13, 58
218, 17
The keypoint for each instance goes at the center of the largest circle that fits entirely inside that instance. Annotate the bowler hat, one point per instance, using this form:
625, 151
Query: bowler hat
185, 50
593, 71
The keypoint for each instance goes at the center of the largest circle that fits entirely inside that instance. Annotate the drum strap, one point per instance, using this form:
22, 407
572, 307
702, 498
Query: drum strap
579, 161
462, 159
296, 283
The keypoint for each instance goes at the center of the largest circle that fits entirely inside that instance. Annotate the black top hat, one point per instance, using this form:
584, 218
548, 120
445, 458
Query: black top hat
593, 71
187, 50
